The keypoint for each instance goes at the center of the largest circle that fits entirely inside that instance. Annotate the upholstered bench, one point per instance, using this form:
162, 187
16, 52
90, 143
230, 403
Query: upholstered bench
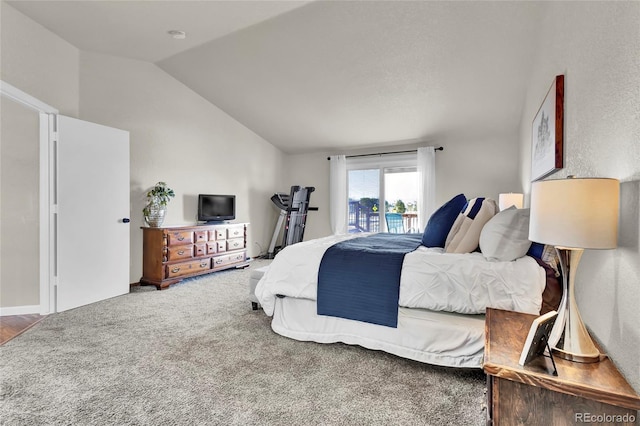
255, 276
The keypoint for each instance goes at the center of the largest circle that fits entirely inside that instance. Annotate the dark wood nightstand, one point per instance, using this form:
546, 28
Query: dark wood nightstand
531, 395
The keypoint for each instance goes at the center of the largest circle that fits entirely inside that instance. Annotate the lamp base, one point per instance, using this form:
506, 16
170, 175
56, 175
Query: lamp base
569, 337
570, 356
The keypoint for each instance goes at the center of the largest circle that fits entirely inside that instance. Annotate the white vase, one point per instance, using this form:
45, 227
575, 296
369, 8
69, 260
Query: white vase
154, 214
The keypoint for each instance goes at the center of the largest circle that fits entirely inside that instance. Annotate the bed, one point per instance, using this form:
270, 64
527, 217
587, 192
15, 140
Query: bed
440, 305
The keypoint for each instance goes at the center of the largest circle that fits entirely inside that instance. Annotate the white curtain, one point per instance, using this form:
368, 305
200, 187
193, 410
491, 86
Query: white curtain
426, 184
338, 193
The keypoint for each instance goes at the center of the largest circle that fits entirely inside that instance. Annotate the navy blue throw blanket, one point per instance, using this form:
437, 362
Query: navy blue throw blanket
359, 279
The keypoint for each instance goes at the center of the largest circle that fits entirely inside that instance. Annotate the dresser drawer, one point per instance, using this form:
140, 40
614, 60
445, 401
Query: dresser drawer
200, 249
235, 244
180, 252
187, 268
221, 246
217, 234
200, 236
220, 261
179, 238
235, 232
212, 247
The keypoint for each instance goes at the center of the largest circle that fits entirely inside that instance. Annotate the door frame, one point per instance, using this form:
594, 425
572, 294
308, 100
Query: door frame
46, 188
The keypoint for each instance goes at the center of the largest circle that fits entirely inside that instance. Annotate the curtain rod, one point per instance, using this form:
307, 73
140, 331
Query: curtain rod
387, 153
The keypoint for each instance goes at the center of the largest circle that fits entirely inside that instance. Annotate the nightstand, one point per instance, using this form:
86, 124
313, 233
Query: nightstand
531, 395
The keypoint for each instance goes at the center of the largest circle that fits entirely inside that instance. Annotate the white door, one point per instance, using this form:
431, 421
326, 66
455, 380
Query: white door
92, 232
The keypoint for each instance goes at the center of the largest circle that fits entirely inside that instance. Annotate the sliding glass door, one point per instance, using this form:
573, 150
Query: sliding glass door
383, 196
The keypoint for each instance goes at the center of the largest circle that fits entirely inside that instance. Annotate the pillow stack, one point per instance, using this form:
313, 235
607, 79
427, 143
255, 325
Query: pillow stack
462, 226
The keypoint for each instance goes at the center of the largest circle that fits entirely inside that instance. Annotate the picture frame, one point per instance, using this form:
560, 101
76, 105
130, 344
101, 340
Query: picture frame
547, 132
538, 337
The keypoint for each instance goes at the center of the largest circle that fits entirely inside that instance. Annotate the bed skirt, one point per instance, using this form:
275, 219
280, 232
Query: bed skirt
440, 338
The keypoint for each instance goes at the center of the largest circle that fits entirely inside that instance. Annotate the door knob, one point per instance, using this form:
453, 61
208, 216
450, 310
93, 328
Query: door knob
125, 220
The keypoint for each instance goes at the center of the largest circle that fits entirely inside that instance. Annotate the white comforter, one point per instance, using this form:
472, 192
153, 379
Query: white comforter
431, 279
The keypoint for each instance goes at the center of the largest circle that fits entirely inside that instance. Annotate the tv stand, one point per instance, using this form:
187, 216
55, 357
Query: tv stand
171, 254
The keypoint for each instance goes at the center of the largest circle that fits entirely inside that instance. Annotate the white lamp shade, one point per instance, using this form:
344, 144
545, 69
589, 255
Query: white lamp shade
575, 213
511, 199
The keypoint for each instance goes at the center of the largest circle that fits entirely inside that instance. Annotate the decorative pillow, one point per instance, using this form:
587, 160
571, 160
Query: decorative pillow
464, 236
547, 254
440, 222
505, 236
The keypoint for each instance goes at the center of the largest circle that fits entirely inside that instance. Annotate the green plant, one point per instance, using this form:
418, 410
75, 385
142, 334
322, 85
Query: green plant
160, 194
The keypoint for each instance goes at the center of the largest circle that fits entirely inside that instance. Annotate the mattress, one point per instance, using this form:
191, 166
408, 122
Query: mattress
439, 338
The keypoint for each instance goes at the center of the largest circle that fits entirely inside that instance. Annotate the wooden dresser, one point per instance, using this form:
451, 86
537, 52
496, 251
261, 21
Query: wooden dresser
171, 254
531, 395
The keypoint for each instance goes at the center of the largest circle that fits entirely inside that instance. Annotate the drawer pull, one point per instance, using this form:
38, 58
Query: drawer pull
204, 264
174, 270
218, 261
180, 252
180, 237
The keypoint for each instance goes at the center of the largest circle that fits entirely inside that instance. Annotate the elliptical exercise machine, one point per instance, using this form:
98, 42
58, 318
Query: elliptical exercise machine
293, 213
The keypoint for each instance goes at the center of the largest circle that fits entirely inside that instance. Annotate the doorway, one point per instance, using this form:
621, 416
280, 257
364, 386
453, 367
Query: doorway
376, 193
25, 229
64, 211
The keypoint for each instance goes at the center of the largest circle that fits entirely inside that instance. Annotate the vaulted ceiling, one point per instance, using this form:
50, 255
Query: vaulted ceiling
310, 76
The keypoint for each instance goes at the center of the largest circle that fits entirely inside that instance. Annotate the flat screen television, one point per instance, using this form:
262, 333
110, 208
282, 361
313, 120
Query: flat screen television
216, 208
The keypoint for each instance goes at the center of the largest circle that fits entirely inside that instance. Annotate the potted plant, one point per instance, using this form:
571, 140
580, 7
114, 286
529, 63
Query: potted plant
157, 199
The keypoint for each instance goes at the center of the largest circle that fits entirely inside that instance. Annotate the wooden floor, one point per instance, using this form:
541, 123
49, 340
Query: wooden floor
14, 325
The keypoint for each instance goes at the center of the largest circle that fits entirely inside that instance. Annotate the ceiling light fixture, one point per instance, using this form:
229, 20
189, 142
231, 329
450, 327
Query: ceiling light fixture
177, 34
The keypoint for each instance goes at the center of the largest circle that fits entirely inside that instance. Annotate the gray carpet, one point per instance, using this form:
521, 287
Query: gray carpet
197, 354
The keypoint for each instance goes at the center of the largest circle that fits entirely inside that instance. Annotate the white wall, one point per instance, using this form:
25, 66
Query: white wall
596, 45
19, 214
311, 170
38, 62
476, 165
180, 138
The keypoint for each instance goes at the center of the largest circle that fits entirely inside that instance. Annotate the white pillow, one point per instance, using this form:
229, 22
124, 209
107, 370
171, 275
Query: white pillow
505, 236
464, 235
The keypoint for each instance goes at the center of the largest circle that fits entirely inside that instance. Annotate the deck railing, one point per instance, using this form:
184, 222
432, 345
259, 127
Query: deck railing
364, 219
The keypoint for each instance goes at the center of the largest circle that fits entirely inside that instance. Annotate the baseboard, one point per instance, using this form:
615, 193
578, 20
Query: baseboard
19, 310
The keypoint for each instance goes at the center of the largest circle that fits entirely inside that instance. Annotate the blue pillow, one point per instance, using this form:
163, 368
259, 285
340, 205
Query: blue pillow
547, 254
441, 221
536, 250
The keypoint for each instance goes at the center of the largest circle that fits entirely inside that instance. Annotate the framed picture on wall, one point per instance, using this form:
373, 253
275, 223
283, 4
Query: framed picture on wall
547, 132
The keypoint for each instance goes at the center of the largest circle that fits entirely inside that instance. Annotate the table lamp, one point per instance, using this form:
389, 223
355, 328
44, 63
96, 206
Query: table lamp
574, 214
511, 199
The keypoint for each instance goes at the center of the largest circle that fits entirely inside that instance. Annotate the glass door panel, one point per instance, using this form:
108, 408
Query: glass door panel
364, 200
401, 199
